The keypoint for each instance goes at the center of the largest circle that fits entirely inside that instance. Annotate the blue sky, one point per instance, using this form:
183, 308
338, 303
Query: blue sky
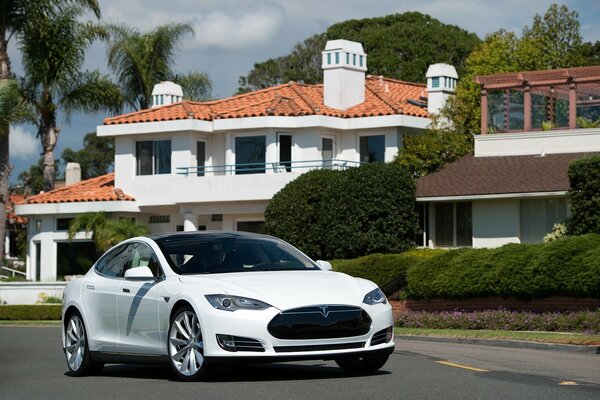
232, 35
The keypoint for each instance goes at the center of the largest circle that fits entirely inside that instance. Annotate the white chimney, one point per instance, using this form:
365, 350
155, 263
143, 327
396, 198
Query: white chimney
166, 92
344, 66
72, 173
441, 83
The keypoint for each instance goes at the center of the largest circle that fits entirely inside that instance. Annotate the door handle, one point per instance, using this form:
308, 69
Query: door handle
90, 287
126, 290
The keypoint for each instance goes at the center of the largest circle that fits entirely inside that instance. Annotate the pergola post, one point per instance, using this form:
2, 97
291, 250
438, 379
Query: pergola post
484, 112
527, 108
572, 106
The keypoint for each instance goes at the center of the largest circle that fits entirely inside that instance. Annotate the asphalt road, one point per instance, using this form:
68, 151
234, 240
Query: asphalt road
32, 367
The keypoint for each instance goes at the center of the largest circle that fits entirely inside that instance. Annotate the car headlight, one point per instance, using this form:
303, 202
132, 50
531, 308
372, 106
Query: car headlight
232, 303
375, 297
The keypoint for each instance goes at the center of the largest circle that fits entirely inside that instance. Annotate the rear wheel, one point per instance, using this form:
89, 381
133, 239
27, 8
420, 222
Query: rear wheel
186, 346
363, 364
77, 351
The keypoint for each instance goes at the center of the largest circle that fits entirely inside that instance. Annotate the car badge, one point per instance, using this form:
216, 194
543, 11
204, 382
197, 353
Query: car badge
324, 311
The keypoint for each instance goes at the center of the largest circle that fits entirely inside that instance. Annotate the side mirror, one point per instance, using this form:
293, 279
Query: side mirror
139, 273
324, 265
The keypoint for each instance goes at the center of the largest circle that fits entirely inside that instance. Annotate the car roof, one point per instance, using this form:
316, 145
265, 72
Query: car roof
159, 237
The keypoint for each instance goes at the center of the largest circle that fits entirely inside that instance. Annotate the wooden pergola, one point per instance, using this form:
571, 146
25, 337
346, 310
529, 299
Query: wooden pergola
579, 86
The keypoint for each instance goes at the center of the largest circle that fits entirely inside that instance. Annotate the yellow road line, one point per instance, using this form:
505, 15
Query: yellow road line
451, 364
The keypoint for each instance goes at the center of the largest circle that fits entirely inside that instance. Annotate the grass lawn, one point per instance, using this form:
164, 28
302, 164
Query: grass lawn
32, 322
543, 337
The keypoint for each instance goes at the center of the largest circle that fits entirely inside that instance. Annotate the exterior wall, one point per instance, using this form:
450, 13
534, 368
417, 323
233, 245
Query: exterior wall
28, 292
548, 142
495, 222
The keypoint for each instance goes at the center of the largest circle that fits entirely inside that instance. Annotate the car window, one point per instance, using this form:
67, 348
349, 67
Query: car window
114, 263
140, 255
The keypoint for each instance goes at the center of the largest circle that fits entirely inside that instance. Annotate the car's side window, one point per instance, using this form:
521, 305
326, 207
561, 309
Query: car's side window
114, 263
141, 255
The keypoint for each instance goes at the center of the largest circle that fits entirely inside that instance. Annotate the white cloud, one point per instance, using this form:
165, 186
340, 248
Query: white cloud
22, 144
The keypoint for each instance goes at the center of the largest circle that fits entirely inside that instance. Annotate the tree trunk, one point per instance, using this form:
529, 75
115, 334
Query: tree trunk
49, 135
5, 73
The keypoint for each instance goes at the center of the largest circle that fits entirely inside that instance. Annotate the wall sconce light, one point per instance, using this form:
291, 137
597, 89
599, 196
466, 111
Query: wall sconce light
38, 225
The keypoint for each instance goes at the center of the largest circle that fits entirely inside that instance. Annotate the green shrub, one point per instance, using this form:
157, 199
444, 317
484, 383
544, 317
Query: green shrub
584, 196
569, 266
30, 312
346, 214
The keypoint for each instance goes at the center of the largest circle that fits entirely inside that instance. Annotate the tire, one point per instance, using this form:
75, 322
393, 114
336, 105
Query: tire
186, 345
76, 348
362, 365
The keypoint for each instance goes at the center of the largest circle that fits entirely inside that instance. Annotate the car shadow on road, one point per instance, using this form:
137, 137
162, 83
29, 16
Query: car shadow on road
238, 372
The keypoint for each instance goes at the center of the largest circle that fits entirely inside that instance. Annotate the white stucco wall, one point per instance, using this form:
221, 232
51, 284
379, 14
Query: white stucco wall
495, 222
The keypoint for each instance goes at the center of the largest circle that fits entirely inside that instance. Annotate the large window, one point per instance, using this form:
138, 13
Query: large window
285, 151
538, 217
201, 158
372, 149
327, 152
153, 157
453, 225
250, 152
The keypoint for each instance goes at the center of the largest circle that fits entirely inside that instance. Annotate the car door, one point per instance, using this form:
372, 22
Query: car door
140, 306
99, 297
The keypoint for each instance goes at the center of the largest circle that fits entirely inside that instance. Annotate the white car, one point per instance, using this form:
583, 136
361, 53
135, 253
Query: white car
192, 299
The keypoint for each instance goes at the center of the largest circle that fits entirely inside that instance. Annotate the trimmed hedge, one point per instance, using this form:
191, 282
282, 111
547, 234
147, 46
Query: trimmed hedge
388, 271
30, 312
345, 214
580, 321
568, 266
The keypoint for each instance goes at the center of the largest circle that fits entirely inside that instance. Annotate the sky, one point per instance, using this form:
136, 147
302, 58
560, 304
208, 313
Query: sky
232, 35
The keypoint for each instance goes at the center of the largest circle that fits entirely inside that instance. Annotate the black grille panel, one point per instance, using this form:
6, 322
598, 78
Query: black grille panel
320, 347
380, 337
247, 344
320, 322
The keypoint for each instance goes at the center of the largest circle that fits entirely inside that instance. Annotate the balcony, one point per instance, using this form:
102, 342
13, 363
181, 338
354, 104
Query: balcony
561, 99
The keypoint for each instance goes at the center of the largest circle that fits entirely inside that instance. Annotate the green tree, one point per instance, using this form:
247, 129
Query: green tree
32, 180
399, 46
106, 232
584, 196
140, 60
53, 52
95, 158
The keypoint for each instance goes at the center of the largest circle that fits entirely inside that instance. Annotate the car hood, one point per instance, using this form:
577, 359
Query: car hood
286, 289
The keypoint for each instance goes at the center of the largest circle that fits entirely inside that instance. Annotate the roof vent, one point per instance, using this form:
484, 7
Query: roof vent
166, 92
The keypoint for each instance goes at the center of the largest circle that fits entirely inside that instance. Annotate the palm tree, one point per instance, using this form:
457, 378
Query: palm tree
105, 232
13, 109
53, 52
140, 60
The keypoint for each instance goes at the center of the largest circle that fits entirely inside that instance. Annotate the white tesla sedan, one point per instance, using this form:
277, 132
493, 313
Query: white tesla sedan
192, 299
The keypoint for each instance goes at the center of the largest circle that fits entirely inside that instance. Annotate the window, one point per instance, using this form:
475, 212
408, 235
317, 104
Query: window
285, 151
62, 224
337, 58
250, 152
153, 157
327, 152
113, 264
453, 225
372, 149
328, 58
360, 60
250, 226
216, 218
538, 217
142, 256
160, 219
354, 59
435, 82
200, 158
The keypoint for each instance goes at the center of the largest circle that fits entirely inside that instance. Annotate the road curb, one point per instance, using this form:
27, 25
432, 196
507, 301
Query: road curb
521, 344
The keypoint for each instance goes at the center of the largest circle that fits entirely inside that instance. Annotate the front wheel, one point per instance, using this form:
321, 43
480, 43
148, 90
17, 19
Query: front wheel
186, 346
76, 348
362, 365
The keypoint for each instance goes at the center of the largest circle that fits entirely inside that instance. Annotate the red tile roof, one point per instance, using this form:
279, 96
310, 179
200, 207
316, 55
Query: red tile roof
101, 188
10, 209
472, 176
383, 96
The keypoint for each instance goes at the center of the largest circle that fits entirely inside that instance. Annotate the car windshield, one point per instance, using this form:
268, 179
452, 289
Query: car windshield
222, 253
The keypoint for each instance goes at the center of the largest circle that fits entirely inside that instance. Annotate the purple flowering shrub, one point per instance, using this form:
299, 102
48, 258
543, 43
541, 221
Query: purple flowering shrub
580, 321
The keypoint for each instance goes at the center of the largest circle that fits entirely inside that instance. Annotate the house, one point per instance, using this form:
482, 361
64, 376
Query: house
513, 188
184, 165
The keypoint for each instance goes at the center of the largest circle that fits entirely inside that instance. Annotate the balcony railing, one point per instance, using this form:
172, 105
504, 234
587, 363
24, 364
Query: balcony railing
267, 167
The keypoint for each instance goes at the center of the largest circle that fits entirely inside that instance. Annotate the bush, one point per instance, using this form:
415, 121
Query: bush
569, 266
30, 312
580, 321
346, 214
584, 196
388, 271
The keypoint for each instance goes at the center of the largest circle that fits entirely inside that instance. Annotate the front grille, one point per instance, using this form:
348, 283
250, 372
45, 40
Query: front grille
320, 347
380, 337
247, 344
320, 322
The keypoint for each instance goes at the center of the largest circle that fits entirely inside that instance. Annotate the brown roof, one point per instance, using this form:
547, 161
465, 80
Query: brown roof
383, 96
101, 188
499, 175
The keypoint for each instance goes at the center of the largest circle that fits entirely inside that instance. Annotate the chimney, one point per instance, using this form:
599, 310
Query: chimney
441, 83
72, 173
344, 66
166, 92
